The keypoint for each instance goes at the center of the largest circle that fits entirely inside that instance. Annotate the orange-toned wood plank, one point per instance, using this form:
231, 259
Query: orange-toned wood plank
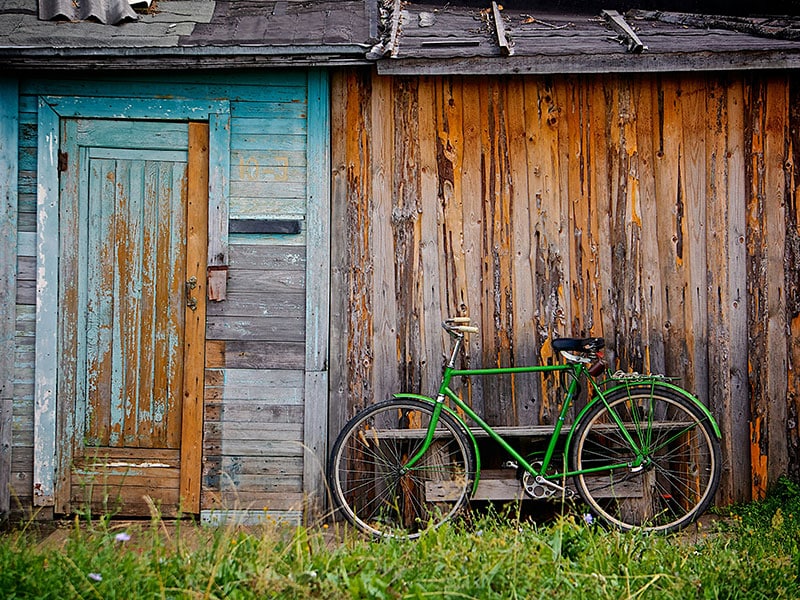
194, 353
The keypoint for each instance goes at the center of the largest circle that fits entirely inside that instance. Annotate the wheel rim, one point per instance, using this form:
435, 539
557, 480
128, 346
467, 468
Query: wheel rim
678, 472
374, 491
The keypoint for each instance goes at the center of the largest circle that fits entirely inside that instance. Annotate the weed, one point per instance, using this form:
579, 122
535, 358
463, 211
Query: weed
752, 555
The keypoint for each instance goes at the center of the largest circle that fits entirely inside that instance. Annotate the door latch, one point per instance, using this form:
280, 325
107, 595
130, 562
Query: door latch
191, 301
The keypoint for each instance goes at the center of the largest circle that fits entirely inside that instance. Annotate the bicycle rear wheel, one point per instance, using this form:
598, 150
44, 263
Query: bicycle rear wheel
368, 479
681, 469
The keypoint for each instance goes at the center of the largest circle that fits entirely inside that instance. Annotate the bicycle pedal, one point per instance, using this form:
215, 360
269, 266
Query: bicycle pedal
510, 464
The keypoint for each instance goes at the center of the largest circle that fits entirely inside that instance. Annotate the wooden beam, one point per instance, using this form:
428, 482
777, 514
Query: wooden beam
9, 141
617, 22
194, 344
219, 168
318, 265
46, 361
500, 29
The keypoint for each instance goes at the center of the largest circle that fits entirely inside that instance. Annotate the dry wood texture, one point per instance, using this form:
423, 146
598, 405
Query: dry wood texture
656, 211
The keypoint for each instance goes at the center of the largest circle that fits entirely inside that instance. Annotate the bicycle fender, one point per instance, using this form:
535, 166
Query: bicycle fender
459, 420
647, 381
679, 390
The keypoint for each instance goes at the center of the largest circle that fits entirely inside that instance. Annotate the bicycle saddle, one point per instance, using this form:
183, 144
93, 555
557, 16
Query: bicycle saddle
578, 344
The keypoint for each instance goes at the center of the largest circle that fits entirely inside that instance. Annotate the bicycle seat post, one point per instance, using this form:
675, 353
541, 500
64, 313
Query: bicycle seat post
457, 327
459, 337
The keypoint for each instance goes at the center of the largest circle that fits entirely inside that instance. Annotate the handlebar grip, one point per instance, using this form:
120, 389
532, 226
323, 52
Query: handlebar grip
468, 329
455, 320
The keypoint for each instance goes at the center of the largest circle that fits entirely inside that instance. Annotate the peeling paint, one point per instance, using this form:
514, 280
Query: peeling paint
143, 465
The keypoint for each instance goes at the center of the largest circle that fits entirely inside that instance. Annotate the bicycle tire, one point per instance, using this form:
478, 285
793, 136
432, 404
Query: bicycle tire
681, 471
366, 476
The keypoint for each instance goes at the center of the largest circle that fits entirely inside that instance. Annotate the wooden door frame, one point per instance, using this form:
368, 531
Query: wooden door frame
49, 447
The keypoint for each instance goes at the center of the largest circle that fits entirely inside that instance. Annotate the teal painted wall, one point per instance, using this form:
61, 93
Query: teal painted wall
257, 339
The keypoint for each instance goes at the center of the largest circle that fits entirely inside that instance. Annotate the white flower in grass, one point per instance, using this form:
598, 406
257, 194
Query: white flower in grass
122, 537
96, 576
588, 518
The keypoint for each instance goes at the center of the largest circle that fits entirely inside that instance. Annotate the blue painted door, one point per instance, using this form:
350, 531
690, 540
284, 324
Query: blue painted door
125, 294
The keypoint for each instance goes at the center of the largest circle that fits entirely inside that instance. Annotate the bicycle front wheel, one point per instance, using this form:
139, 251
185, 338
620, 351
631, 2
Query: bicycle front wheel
371, 485
669, 482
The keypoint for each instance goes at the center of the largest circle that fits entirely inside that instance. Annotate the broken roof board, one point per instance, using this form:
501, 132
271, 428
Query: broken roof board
455, 40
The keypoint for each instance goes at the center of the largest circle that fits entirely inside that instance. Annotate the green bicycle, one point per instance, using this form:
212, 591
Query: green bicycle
643, 453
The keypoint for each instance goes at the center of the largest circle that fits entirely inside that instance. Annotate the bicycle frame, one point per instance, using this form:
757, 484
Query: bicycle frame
577, 370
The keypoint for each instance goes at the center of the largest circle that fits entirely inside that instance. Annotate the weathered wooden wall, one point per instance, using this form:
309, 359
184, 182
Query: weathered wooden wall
656, 211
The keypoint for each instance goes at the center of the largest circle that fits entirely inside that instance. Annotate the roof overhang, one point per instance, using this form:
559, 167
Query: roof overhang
572, 64
179, 58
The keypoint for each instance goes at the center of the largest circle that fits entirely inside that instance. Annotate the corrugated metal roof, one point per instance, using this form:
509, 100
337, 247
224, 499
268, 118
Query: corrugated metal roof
108, 12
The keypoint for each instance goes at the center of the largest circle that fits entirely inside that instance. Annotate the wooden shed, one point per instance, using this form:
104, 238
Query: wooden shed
553, 173
228, 225
165, 254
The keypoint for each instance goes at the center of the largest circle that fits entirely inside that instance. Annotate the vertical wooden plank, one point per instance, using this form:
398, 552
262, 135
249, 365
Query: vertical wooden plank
499, 406
430, 216
694, 169
652, 285
405, 227
600, 191
524, 317
341, 303
542, 125
130, 238
46, 364
317, 317
718, 244
671, 215
450, 156
96, 417
580, 296
356, 255
793, 274
71, 321
168, 194
149, 431
572, 198
219, 194
175, 260
735, 437
775, 145
195, 320
628, 234
472, 232
756, 285
384, 295
766, 234
126, 307
317, 221
9, 145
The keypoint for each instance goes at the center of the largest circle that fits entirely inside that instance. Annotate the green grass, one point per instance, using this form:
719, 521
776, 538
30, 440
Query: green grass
752, 552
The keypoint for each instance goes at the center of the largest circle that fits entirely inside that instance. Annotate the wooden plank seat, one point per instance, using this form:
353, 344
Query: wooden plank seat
502, 485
